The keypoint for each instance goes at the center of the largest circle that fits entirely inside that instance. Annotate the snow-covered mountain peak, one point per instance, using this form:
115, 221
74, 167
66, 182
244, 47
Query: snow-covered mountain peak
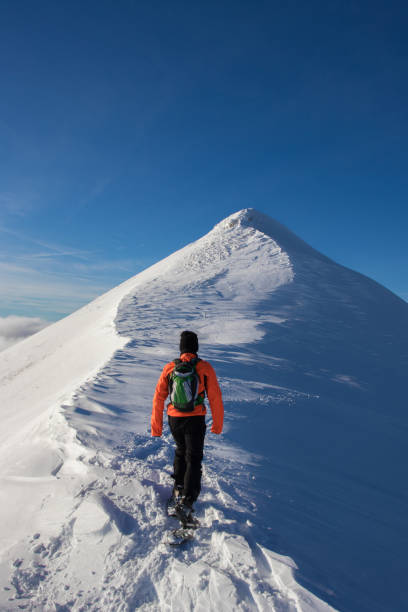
239, 246
250, 220
242, 217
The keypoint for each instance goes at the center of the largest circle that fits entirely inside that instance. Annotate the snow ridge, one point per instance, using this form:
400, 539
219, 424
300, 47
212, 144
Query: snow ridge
107, 534
299, 344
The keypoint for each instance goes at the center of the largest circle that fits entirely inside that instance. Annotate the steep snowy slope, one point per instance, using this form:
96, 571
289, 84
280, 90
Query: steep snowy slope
311, 359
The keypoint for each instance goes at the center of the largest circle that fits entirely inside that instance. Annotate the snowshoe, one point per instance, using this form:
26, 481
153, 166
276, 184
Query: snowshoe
179, 536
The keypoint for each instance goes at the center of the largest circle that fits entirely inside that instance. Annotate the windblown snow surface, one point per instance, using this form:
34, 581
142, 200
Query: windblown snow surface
304, 499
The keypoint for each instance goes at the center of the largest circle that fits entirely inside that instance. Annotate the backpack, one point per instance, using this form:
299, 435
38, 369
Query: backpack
183, 385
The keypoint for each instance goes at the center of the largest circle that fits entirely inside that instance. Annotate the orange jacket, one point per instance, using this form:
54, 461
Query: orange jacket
208, 384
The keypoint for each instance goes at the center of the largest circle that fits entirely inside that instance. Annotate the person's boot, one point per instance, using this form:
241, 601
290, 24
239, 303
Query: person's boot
174, 500
184, 512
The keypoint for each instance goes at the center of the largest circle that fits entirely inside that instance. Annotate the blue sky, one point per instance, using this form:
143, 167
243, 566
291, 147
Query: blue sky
128, 129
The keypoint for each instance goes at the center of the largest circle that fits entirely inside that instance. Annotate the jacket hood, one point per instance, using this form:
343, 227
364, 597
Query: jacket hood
187, 356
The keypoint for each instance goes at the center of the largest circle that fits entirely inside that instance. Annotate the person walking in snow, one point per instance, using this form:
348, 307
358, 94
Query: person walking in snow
187, 381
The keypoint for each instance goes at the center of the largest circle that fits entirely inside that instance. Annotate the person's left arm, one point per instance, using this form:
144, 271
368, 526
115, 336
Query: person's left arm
160, 395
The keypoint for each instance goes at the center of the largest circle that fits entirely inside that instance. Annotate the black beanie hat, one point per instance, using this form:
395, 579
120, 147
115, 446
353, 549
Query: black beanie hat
188, 342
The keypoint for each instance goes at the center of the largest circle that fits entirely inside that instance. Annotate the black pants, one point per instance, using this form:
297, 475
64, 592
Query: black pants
188, 433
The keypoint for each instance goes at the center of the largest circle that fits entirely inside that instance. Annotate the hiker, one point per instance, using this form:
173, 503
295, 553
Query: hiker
187, 420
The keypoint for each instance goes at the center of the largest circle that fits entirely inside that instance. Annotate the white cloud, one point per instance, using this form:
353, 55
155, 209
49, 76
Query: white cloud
13, 204
14, 328
52, 280
51, 294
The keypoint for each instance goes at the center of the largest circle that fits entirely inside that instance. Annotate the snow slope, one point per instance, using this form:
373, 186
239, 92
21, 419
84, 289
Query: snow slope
311, 359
